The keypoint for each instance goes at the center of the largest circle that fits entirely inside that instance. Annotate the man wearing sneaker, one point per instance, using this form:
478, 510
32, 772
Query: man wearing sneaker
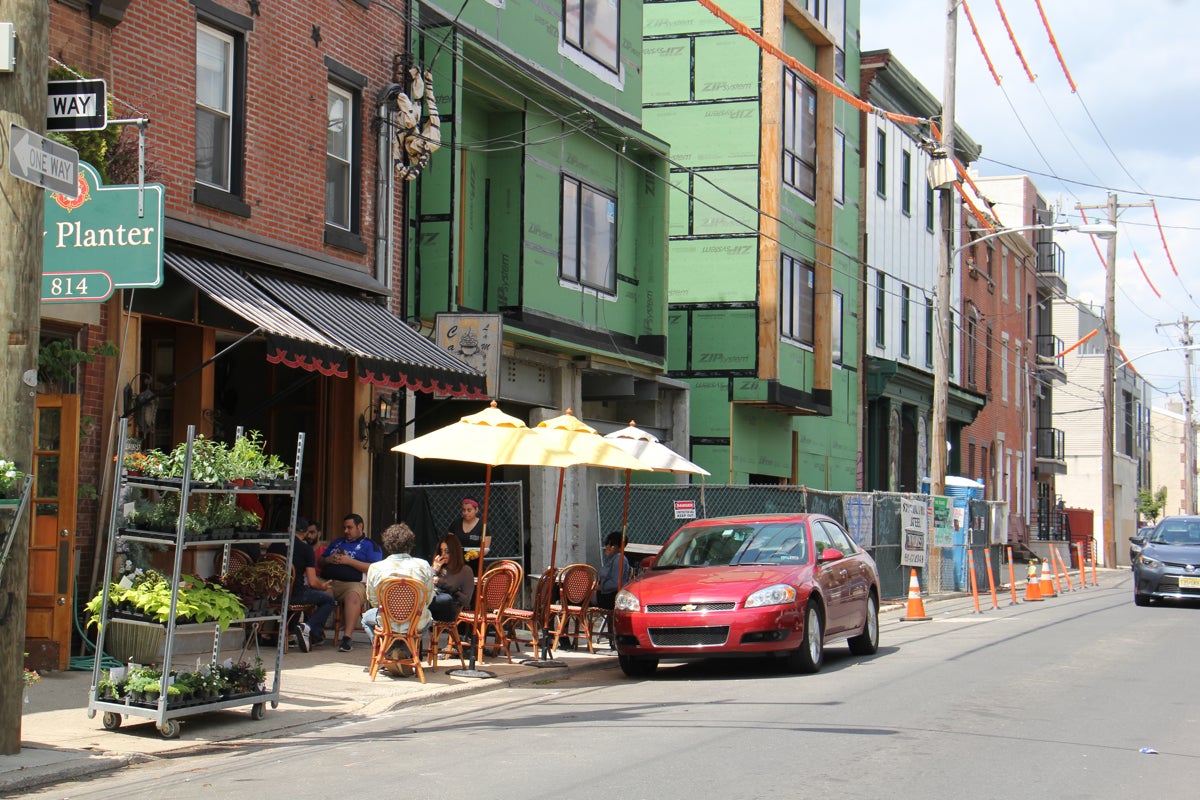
307, 590
344, 564
398, 541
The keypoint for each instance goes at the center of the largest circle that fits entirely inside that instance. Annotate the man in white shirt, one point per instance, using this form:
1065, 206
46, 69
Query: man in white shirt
398, 541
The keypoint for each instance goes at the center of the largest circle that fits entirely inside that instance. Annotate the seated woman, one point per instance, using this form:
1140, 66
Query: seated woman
453, 580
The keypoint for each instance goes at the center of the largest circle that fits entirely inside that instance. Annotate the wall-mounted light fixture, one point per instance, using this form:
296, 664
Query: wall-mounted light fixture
377, 421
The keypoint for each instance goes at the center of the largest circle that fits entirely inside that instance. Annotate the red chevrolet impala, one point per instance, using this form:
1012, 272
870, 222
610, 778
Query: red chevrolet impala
783, 584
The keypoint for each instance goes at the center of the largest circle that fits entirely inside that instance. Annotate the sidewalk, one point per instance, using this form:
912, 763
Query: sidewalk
60, 743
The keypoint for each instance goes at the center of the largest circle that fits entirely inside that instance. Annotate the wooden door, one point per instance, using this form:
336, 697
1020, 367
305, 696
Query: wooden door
49, 610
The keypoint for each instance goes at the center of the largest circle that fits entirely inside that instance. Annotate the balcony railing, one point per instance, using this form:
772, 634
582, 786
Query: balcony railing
1051, 259
1051, 444
1048, 348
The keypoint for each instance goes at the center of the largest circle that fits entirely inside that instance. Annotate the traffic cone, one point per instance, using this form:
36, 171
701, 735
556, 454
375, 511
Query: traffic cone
1033, 590
1047, 583
916, 608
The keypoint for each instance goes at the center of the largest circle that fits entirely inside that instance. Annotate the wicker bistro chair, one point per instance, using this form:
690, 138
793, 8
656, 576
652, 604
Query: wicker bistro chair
454, 643
535, 619
576, 584
494, 595
402, 600
295, 612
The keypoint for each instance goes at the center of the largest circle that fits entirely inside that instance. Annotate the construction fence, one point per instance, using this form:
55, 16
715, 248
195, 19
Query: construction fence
873, 519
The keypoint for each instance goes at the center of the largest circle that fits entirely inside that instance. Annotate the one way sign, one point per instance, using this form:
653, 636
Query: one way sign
76, 105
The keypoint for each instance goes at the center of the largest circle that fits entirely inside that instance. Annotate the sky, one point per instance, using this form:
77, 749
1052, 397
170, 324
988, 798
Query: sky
1129, 129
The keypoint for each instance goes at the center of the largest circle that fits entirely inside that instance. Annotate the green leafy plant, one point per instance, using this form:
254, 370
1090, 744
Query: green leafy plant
58, 359
1150, 504
10, 477
150, 595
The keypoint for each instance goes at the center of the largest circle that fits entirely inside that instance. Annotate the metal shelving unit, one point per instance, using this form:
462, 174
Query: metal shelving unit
164, 715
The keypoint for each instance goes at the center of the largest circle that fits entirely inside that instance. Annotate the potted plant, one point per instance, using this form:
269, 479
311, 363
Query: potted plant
247, 461
10, 480
106, 689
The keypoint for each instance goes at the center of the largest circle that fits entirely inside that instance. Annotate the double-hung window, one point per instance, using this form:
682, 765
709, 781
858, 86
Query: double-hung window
796, 301
343, 157
799, 134
905, 325
220, 104
906, 183
589, 236
880, 309
594, 26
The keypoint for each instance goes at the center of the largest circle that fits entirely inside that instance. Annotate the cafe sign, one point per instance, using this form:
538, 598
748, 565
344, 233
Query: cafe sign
97, 242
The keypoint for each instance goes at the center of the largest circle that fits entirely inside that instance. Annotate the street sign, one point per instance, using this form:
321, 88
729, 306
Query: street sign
96, 242
76, 105
42, 162
76, 287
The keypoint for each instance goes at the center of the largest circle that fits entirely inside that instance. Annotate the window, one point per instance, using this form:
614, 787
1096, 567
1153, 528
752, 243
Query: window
589, 236
220, 108
970, 353
1004, 367
1019, 370
339, 162
906, 183
904, 321
928, 206
1004, 263
991, 260
799, 134
929, 331
950, 344
987, 362
594, 26
839, 166
835, 343
970, 469
1127, 416
880, 306
796, 301
881, 163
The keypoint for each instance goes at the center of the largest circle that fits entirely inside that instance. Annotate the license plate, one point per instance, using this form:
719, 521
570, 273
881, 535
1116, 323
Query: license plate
1189, 583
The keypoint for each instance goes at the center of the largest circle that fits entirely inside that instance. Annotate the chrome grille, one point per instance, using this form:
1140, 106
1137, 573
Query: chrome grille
689, 637
692, 608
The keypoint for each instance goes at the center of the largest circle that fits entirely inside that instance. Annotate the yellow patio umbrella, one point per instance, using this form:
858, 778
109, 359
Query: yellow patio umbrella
660, 458
488, 437
568, 432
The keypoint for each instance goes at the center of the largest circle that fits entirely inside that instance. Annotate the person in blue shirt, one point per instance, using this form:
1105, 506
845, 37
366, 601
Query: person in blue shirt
610, 578
344, 564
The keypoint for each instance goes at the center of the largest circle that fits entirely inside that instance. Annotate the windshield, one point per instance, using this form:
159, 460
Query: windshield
722, 545
1181, 531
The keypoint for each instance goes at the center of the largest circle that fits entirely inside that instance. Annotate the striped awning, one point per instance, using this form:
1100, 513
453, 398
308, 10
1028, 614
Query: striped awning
389, 353
320, 330
290, 340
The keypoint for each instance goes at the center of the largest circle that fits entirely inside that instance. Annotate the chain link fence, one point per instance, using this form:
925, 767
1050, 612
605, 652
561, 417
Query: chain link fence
873, 519
430, 508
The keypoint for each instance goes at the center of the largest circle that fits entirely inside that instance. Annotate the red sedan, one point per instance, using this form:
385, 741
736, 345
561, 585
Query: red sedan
783, 584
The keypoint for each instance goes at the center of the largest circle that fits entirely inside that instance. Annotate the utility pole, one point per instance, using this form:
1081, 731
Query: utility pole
1189, 428
22, 102
1108, 542
941, 333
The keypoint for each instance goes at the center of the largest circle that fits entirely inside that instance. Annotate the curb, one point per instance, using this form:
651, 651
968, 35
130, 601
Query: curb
39, 775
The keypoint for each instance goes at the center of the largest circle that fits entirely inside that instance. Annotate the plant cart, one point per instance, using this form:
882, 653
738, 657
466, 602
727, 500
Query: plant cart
12, 511
159, 638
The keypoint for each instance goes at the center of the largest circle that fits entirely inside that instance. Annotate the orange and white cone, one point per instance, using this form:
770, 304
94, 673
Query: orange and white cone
1047, 582
916, 608
1033, 589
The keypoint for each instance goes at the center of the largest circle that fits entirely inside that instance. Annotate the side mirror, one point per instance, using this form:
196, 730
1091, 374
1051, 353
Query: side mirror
647, 562
831, 554
1137, 539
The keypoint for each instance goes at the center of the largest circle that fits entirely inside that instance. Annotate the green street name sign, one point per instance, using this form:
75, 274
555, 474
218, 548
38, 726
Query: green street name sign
96, 243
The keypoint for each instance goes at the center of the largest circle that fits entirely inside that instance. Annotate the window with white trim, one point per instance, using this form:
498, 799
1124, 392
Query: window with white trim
589, 236
214, 107
905, 323
880, 309
835, 343
796, 301
906, 183
839, 166
339, 157
594, 27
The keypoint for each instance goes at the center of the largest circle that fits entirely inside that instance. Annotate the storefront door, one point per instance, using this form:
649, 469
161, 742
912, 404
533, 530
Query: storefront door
49, 609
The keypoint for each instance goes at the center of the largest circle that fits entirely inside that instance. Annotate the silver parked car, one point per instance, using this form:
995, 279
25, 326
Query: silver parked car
1168, 566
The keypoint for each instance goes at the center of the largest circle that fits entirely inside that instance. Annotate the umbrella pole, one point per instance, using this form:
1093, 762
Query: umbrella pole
624, 531
562, 473
483, 538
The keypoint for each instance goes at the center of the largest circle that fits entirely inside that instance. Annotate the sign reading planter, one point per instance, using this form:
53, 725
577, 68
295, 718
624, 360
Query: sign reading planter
96, 242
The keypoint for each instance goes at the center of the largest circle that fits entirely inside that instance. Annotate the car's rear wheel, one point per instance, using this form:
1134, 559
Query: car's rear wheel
867, 642
811, 652
1141, 599
638, 666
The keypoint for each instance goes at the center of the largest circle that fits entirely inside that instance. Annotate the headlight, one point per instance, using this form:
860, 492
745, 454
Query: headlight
626, 601
1148, 562
777, 595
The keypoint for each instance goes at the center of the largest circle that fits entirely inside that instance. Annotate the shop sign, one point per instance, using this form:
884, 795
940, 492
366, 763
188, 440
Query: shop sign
97, 242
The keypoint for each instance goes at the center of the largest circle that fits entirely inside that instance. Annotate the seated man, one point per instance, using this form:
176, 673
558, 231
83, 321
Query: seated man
398, 541
344, 564
307, 589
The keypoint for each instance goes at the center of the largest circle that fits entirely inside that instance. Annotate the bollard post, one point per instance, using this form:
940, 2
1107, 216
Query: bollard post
1012, 578
1054, 570
1082, 573
974, 583
987, 557
1066, 573
1092, 558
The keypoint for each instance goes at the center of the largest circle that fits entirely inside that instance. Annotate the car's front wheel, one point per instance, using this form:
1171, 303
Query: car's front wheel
638, 666
867, 642
811, 652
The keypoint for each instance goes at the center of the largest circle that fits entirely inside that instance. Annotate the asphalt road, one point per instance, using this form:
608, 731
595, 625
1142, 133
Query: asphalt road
1039, 700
